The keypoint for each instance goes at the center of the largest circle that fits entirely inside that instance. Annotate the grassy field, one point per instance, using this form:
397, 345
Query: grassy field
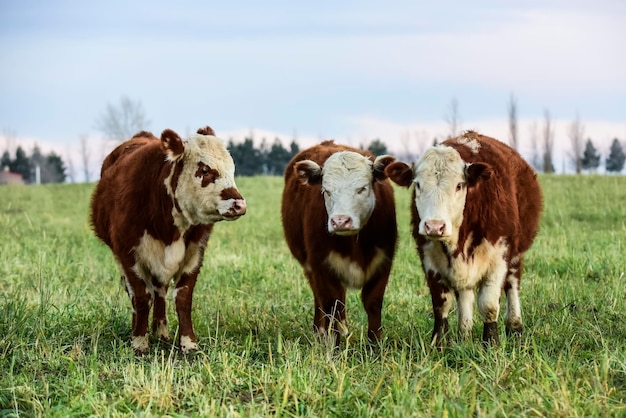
65, 322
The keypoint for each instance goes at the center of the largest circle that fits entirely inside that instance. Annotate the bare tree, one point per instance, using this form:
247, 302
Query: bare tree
85, 153
452, 118
513, 122
71, 172
548, 144
535, 159
119, 123
10, 139
576, 132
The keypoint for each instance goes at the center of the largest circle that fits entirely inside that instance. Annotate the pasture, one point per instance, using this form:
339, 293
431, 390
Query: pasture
65, 322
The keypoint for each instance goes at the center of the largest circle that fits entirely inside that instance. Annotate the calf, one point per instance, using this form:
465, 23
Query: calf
475, 212
155, 207
339, 220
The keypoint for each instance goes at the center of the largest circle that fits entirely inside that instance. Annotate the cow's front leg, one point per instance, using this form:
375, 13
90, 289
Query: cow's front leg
372, 297
330, 309
183, 297
141, 299
159, 315
465, 302
441, 298
489, 308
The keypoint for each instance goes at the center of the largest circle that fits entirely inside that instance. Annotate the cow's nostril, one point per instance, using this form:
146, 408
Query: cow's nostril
239, 207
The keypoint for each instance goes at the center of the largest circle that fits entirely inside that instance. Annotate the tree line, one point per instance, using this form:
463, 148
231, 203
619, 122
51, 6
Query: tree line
122, 121
36, 167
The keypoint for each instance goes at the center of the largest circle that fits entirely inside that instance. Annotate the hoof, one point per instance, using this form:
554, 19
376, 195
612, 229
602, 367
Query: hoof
490, 334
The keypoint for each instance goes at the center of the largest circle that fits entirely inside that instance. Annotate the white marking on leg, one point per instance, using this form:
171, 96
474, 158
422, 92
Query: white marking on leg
141, 343
466, 312
162, 331
489, 302
187, 345
447, 304
513, 308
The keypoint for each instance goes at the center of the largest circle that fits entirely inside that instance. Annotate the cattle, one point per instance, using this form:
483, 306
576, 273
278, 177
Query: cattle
155, 206
339, 221
475, 212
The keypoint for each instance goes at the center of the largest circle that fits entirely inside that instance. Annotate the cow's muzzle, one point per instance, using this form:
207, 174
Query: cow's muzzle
434, 229
342, 225
236, 210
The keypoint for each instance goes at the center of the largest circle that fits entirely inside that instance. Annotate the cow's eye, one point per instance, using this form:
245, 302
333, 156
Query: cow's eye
417, 186
459, 186
361, 190
205, 171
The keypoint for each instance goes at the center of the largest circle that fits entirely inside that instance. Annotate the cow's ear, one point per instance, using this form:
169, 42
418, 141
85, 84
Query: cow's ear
207, 130
476, 172
172, 145
379, 166
400, 173
308, 172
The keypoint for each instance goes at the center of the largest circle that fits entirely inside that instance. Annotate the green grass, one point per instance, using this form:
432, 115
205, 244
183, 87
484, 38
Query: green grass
65, 322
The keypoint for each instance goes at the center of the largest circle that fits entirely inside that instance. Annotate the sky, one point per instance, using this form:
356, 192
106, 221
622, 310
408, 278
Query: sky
349, 70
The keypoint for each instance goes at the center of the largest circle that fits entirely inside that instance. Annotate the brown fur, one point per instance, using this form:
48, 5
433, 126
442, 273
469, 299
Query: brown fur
304, 220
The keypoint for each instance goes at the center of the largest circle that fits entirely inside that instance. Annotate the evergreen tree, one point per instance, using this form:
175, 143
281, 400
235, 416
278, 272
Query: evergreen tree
294, 148
615, 161
377, 147
591, 158
54, 169
5, 161
21, 164
248, 160
277, 158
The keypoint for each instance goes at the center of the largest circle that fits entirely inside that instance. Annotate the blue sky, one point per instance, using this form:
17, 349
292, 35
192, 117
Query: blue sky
347, 70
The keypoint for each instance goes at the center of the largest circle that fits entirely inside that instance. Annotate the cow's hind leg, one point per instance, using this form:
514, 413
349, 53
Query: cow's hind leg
183, 296
511, 288
372, 297
442, 298
141, 299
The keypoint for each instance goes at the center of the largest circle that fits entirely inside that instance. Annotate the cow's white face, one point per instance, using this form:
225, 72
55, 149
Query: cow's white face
347, 181
202, 180
441, 179
440, 191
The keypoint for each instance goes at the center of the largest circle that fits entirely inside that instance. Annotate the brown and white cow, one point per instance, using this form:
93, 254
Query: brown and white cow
339, 220
155, 207
475, 212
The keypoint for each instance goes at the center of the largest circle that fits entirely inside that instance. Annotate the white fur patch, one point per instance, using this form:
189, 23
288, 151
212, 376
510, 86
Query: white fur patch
198, 204
438, 173
187, 345
162, 332
153, 258
347, 185
486, 264
466, 312
513, 308
472, 144
350, 272
141, 343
